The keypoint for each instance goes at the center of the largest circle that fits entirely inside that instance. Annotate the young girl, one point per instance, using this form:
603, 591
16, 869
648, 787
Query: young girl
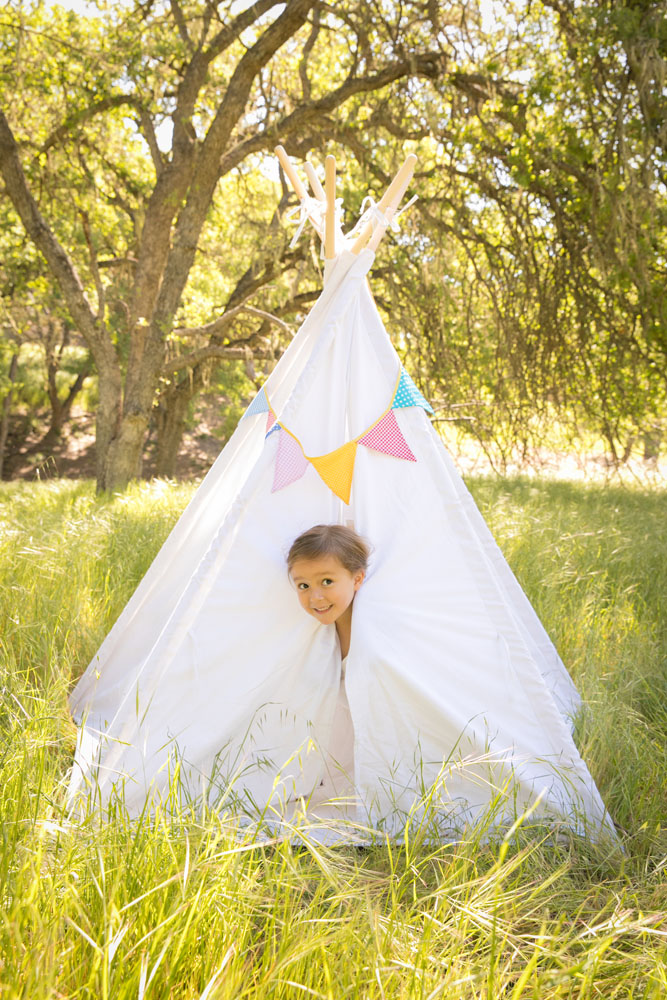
327, 565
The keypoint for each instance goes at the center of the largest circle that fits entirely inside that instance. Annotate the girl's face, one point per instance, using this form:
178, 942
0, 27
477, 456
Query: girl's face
325, 588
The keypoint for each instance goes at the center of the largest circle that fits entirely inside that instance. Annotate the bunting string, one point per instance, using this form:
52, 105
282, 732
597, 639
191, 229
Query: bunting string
336, 468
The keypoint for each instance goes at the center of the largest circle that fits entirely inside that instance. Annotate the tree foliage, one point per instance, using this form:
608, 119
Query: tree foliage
545, 219
527, 283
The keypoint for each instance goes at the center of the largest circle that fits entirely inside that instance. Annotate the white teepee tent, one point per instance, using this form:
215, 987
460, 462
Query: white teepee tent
213, 666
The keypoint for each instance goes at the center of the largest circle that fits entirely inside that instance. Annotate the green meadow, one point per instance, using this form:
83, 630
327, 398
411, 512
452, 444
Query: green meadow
183, 906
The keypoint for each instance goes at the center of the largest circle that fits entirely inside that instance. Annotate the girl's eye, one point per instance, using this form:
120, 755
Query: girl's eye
302, 586
327, 581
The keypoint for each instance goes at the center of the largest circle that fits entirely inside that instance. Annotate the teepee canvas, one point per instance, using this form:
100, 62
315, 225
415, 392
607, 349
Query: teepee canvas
214, 677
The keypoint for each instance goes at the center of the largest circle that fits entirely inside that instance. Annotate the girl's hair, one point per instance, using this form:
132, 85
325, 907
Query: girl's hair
343, 543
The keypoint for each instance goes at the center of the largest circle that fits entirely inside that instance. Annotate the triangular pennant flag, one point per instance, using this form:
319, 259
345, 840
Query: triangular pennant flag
407, 394
337, 469
386, 436
270, 421
291, 463
260, 404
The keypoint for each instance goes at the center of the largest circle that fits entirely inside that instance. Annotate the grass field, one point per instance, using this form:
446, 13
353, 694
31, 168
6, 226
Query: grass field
181, 908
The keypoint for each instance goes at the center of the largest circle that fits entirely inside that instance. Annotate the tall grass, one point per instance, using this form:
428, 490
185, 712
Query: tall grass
186, 906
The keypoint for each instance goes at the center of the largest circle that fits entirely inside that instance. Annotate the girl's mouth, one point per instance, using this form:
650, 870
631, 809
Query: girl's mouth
322, 611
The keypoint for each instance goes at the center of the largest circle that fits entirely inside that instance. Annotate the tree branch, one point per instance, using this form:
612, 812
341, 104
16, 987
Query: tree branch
205, 354
193, 215
380, 116
93, 265
85, 114
230, 32
148, 132
219, 324
427, 64
180, 24
307, 49
44, 239
155, 249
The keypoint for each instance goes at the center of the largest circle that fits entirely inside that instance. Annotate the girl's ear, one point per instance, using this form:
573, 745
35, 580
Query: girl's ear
359, 578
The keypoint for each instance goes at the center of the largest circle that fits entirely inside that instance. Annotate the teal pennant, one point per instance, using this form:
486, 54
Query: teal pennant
407, 394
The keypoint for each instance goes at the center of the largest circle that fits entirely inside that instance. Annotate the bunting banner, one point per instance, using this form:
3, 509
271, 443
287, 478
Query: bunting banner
336, 468
407, 394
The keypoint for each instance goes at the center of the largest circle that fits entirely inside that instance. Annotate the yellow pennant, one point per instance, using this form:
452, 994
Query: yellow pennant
337, 468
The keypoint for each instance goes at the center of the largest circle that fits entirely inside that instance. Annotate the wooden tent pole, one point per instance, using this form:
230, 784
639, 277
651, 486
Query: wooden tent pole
330, 217
389, 201
291, 173
314, 181
298, 185
389, 213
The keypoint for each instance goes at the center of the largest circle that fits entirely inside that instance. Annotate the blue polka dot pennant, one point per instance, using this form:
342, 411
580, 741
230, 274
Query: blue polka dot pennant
407, 394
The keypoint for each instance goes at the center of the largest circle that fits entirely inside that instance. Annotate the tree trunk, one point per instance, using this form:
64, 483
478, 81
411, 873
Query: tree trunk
107, 422
122, 459
6, 408
170, 428
124, 456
